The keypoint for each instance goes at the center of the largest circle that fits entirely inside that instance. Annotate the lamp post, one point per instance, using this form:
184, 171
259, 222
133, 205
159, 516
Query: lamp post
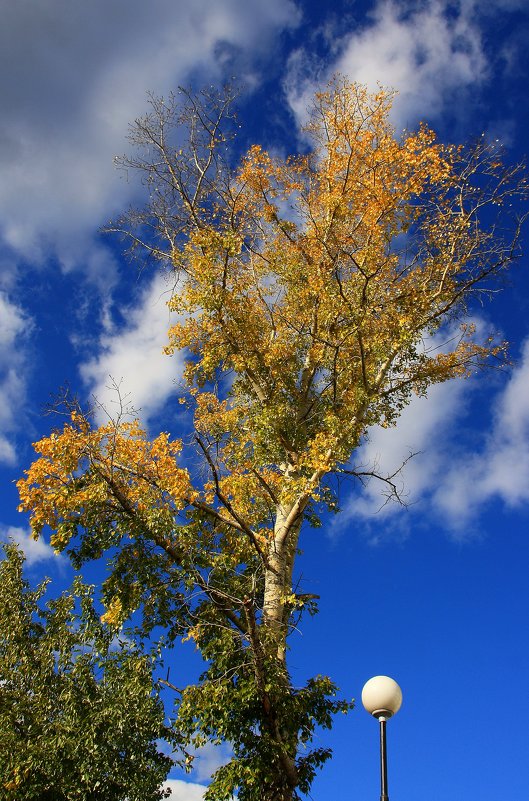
382, 698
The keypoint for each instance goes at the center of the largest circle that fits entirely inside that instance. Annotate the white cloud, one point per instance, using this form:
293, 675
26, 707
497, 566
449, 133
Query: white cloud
427, 55
35, 550
451, 479
73, 76
185, 791
423, 429
14, 326
500, 469
133, 358
428, 52
208, 759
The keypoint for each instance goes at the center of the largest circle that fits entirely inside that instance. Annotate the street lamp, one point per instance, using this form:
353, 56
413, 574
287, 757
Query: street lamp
382, 698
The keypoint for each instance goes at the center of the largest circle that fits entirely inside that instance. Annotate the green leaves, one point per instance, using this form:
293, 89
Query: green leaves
310, 287
79, 717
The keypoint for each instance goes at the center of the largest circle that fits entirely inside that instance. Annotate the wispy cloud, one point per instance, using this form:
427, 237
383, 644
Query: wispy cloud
208, 759
132, 357
429, 52
36, 551
424, 430
14, 327
453, 476
67, 103
185, 791
499, 469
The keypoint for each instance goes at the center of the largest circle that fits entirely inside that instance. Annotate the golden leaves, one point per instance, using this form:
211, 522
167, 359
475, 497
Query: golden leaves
317, 283
81, 470
114, 615
310, 285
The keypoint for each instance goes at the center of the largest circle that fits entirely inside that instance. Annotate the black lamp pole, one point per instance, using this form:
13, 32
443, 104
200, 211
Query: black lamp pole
383, 761
382, 698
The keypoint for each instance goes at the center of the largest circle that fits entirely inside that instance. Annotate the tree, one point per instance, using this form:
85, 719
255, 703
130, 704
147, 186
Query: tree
310, 290
79, 718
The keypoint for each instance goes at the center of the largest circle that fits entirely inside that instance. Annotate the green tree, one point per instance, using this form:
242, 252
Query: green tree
309, 291
79, 718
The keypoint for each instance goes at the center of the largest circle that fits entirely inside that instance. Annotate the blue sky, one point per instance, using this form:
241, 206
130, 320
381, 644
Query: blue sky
435, 595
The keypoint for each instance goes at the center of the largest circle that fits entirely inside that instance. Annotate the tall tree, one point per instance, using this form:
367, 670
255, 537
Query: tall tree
310, 290
79, 718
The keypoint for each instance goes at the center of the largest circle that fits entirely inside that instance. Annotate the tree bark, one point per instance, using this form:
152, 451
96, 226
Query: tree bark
278, 581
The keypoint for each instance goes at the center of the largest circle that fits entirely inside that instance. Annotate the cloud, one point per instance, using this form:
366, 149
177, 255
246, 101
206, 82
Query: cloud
208, 759
424, 429
35, 550
14, 327
427, 55
72, 77
428, 52
133, 357
454, 476
500, 468
185, 791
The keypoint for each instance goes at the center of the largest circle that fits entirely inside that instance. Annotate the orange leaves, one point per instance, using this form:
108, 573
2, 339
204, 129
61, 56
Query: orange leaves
114, 469
317, 282
114, 615
263, 180
311, 283
312, 291
217, 418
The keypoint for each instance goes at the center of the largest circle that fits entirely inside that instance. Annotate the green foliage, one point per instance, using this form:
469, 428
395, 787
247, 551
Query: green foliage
79, 718
307, 291
246, 698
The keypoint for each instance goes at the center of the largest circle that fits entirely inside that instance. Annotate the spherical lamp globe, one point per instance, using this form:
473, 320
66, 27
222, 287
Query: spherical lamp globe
381, 696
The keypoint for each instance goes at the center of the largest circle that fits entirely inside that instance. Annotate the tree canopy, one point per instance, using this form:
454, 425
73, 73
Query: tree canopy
79, 718
311, 291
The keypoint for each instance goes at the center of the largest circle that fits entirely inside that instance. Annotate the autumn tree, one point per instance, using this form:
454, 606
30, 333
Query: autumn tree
79, 718
309, 290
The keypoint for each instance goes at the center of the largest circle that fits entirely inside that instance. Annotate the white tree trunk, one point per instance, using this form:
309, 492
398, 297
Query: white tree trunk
278, 581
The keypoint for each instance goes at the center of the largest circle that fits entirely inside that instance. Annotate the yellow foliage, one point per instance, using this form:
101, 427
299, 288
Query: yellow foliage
81, 469
114, 614
313, 287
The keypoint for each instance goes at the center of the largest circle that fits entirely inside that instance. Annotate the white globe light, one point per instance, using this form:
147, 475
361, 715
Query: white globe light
381, 696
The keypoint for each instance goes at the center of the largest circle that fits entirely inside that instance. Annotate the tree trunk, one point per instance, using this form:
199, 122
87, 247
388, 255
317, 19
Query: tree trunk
278, 581
274, 628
